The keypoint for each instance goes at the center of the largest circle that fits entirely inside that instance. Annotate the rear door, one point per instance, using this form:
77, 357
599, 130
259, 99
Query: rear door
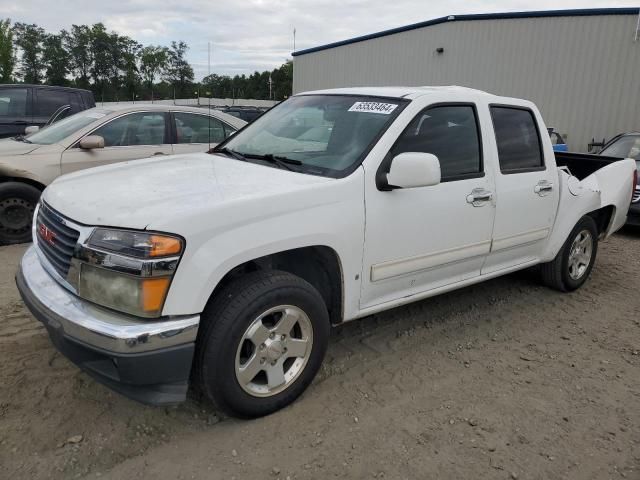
129, 137
195, 132
14, 111
526, 189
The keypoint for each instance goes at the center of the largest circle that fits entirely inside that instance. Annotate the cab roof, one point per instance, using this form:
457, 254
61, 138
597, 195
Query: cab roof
397, 92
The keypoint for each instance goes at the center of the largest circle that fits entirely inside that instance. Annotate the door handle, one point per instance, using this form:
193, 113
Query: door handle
479, 196
544, 187
158, 153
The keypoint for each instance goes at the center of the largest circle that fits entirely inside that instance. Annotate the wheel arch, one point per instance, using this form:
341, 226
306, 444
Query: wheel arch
319, 265
27, 181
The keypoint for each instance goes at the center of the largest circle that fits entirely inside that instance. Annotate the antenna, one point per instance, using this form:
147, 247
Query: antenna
209, 92
294, 39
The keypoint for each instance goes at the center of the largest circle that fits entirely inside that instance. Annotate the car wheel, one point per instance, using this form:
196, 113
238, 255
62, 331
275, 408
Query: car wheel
261, 343
573, 263
17, 204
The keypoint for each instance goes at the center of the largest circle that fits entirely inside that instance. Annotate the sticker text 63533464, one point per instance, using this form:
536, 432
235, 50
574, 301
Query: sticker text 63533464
373, 107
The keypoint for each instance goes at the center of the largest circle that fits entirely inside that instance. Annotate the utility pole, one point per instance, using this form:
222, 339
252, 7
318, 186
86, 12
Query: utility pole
294, 39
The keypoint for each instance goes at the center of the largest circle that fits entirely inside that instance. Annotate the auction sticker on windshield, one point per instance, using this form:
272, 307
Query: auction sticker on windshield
373, 107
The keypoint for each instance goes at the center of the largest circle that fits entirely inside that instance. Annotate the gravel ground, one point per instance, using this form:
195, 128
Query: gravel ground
504, 380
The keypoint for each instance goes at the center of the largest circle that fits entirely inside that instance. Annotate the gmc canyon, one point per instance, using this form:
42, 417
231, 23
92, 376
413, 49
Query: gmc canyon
225, 270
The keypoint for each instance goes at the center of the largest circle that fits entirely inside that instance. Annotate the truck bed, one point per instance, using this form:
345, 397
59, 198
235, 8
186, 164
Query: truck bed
581, 165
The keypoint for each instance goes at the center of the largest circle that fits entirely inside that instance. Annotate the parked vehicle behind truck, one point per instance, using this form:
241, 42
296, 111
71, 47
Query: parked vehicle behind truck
627, 145
24, 105
95, 137
226, 270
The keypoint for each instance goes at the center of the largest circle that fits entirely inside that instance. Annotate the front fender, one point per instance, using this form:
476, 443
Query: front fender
212, 253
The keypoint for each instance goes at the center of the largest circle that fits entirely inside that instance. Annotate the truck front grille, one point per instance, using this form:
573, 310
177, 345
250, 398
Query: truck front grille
56, 240
636, 195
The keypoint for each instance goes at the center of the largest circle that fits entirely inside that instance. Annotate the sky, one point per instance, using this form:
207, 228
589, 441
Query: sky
250, 35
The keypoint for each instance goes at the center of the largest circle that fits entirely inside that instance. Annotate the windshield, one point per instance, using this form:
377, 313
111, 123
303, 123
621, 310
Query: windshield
58, 131
627, 146
320, 134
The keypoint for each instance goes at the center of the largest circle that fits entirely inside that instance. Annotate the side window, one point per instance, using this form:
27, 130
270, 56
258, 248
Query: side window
144, 128
451, 133
13, 102
519, 146
48, 101
192, 128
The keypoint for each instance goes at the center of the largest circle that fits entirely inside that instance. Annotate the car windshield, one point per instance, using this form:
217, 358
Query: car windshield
627, 146
317, 134
58, 131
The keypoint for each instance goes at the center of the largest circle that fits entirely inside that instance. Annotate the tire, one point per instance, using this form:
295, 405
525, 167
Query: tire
234, 338
17, 204
568, 272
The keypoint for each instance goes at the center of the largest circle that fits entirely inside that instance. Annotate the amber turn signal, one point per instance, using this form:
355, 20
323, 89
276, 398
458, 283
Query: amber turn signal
154, 291
162, 246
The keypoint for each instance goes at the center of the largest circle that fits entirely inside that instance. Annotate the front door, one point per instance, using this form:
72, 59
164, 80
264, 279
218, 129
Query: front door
418, 239
527, 190
129, 137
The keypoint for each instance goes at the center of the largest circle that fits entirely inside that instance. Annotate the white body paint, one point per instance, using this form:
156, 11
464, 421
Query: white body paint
394, 247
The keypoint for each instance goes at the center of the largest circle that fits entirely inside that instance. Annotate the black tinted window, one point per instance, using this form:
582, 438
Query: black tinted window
48, 101
519, 147
13, 102
451, 134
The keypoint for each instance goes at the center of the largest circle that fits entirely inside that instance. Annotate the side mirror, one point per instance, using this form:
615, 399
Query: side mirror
414, 169
31, 129
91, 142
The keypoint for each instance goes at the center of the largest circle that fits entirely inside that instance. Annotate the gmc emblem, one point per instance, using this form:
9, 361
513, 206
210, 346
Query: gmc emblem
46, 234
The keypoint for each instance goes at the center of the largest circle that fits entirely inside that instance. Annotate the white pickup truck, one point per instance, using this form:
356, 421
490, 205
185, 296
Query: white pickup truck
225, 270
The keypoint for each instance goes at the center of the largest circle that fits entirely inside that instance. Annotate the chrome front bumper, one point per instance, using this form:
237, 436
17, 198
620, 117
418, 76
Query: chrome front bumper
97, 326
147, 360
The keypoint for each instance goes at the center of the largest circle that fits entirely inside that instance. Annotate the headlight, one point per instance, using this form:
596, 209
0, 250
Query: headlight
129, 271
136, 244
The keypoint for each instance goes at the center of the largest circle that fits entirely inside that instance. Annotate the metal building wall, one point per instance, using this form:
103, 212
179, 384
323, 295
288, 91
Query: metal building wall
582, 72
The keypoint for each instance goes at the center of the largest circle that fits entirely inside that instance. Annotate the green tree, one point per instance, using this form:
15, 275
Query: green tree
153, 62
56, 59
178, 72
78, 44
7, 53
29, 38
100, 45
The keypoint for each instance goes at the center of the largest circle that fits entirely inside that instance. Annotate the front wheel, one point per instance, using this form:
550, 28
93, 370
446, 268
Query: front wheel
574, 262
263, 340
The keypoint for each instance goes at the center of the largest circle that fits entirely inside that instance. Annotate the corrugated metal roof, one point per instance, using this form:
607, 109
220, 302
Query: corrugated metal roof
482, 16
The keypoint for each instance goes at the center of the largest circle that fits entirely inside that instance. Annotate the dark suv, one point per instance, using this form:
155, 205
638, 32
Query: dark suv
25, 105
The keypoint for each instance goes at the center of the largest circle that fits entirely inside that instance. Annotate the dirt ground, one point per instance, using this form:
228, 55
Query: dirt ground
504, 380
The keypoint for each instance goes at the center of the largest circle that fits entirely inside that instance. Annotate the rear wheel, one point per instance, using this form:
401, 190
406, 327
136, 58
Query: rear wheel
263, 340
17, 204
574, 262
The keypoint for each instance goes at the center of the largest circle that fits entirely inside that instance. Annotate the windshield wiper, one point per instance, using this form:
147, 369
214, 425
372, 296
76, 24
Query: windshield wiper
21, 138
279, 160
230, 153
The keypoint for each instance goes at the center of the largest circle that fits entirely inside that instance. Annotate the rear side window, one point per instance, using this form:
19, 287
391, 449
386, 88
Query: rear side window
13, 102
48, 101
192, 128
518, 139
450, 132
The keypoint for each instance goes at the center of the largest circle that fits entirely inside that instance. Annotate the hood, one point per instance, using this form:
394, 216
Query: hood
8, 146
153, 192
